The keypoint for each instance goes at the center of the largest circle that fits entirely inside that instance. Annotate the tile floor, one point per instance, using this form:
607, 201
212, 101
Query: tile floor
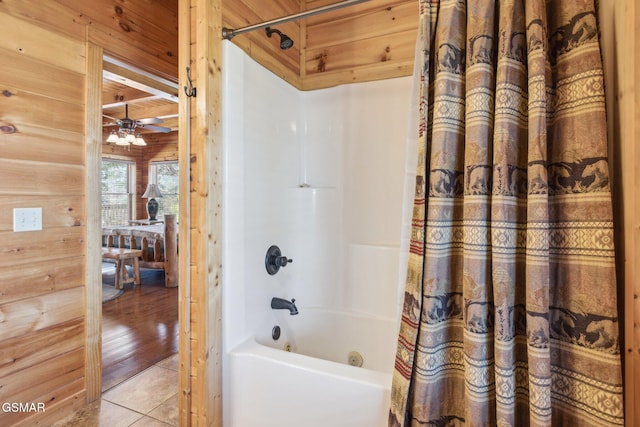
148, 399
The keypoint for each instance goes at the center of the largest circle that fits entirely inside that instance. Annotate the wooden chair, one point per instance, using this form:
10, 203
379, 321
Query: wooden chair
122, 256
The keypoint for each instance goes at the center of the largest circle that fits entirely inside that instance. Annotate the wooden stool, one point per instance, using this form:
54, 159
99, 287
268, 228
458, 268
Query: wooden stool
122, 256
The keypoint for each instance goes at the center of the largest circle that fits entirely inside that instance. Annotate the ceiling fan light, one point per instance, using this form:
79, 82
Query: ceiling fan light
126, 134
113, 137
139, 140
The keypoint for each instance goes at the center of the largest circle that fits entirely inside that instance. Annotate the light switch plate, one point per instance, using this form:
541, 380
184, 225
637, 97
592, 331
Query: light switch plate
27, 219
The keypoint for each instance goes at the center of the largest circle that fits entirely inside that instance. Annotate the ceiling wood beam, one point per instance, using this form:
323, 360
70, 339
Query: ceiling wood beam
139, 111
139, 80
121, 104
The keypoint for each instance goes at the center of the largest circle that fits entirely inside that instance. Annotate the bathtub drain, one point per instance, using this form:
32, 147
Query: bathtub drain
355, 359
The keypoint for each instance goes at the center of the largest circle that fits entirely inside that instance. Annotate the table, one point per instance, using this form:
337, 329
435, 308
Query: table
145, 221
162, 237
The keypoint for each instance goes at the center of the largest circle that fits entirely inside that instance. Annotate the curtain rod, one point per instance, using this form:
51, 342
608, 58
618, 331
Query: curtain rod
228, 33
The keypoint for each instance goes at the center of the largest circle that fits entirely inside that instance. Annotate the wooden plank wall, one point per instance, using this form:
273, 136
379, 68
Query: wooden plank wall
42, 273
45, 327
142, 33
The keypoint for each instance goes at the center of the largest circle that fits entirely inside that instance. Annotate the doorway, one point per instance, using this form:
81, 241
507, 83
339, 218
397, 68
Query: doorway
140, 325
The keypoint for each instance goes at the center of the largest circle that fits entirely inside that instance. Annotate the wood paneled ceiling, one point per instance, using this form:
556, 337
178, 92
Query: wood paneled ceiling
146, 96
373, 40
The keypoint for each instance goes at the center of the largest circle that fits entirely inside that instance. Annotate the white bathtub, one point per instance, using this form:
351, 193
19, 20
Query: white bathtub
312, 385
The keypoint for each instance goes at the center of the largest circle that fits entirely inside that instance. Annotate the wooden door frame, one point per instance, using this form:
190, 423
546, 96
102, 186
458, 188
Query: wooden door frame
200, 146
93, 258
619, 33
93, 240
625, 74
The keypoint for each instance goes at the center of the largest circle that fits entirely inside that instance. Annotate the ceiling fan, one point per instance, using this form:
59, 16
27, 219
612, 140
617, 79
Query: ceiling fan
126, 133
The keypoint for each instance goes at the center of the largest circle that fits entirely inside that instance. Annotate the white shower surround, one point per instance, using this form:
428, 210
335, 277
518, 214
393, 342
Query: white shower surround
321, 174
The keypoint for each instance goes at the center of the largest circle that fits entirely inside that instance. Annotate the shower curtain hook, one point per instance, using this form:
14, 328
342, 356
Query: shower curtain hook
190, 91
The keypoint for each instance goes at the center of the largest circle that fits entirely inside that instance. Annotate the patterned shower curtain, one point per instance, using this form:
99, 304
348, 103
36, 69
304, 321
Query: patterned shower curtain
510, 315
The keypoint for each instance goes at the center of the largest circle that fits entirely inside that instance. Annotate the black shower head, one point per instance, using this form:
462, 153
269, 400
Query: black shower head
285, 41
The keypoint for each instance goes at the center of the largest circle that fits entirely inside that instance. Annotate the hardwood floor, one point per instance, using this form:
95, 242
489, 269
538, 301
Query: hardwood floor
139, 328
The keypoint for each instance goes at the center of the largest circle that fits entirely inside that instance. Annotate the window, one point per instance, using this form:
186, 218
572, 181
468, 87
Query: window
166, 176
117, 192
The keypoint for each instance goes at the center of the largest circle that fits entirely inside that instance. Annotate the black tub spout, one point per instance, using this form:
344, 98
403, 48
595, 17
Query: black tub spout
283, 304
